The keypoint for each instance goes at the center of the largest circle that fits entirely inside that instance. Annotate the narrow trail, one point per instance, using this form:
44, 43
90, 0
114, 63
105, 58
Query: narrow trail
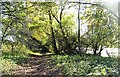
37, 66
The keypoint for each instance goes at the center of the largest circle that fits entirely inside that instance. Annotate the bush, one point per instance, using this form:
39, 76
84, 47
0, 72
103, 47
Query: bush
6, 65
14, 56
86, 65
9, 61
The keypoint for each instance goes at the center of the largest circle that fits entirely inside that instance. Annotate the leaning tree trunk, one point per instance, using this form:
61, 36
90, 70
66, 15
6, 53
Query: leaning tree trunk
53, 36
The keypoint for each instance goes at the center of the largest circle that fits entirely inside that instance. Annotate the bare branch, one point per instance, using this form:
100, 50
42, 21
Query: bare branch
83, 3
55, 17
61, 13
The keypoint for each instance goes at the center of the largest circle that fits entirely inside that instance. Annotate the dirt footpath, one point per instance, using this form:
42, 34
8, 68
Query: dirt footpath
37, 66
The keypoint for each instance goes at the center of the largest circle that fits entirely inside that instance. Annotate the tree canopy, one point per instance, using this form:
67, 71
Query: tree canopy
47, 26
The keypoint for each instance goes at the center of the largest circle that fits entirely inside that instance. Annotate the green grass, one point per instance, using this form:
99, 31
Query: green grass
86, 65
38, 54
17, 57
10, 60
7, 65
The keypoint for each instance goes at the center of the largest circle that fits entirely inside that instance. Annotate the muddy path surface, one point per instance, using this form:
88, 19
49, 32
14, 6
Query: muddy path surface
37, 66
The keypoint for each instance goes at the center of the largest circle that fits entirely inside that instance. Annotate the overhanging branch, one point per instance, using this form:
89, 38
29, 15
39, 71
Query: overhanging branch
83, 3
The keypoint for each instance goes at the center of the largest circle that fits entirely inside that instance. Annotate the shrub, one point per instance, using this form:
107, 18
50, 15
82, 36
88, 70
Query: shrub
14, 56
6, 65
86, 65
9, 61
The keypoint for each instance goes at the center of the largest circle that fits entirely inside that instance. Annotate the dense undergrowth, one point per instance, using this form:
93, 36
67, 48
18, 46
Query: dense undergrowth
68, 64
10, 60
86, 65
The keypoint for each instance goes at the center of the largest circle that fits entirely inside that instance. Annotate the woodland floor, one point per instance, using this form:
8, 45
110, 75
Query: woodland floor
37, 66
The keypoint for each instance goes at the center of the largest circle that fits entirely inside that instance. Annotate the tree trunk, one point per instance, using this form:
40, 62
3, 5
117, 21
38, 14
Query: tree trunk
67, 46
118, 37
12, 49
119, 22
99, 53
86, 48
63, 33
79, 28
66, 40
0, 48
95, 49
53, 36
